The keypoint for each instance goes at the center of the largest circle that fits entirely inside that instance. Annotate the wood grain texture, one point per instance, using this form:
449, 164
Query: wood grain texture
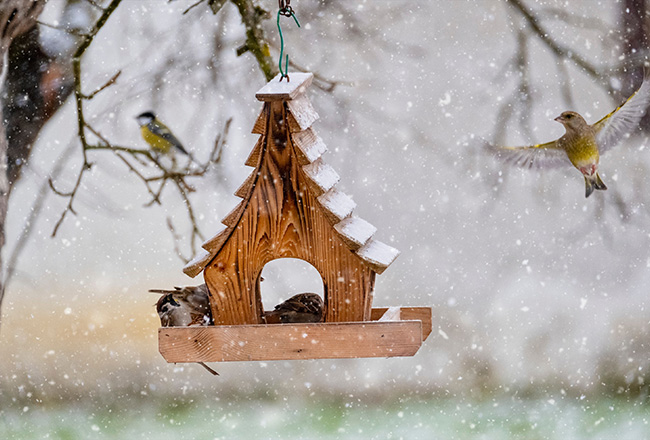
291, 209
247, 186
281, 218
255, 154
260, 123
290, 341
233, 217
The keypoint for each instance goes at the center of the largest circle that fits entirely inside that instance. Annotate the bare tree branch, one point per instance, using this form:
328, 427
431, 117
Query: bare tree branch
192, 6
558, 50
256, 43
108, 83
79, 98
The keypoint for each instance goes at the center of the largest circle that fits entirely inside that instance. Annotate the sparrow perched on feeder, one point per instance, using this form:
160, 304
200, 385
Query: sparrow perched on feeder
183, 307
582, 144
304, 307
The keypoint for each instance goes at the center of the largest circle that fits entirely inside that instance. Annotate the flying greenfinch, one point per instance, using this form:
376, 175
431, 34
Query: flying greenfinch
582, 144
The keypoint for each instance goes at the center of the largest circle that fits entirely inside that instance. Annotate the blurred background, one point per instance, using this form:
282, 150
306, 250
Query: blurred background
539, 296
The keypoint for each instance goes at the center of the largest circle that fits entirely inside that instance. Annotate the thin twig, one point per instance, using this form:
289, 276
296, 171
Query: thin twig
177, 239
561, 52
219, 142
130, 150
87, 39
108, 83
155, 196
133, 158
193, 6
576, 20
95, 4
75, 32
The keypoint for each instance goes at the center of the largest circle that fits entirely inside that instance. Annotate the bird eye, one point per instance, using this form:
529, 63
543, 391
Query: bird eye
569, 116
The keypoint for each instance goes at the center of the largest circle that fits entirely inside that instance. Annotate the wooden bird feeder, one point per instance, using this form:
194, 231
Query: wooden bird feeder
292, 209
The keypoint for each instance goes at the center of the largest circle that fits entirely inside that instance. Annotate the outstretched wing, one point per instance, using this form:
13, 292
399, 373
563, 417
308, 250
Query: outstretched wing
547, 155
611, 129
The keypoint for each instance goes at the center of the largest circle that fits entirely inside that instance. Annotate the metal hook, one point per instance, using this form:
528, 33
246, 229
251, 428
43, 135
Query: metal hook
286, 10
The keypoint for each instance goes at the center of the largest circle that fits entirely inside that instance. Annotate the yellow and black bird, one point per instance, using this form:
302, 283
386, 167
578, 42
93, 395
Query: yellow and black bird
158, 136
582, 144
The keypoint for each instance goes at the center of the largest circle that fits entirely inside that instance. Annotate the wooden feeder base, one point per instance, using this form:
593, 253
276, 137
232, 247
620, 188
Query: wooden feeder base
393, 331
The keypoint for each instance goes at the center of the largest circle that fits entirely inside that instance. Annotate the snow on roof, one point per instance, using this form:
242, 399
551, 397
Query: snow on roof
301, 114
285, 90
337, 203
355, 231
379, 255
321, 175
198, 263
309, 145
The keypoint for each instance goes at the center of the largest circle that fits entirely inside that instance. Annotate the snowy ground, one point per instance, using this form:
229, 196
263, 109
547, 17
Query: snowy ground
347, 417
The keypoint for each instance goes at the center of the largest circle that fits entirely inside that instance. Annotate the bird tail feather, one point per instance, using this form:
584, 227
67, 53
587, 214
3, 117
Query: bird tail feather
592, 183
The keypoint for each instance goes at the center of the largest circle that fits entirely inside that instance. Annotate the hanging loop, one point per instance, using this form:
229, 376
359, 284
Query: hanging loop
285, 9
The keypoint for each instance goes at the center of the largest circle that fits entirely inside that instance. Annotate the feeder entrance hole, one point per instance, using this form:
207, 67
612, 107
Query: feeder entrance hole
285, 277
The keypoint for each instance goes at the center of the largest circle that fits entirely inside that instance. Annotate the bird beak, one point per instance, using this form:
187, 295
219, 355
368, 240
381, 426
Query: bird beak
559, 119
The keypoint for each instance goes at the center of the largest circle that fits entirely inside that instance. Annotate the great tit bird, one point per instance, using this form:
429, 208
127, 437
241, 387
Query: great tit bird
582, 144
158, 136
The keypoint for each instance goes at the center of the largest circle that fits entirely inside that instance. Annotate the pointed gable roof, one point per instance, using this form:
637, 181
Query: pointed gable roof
356, 233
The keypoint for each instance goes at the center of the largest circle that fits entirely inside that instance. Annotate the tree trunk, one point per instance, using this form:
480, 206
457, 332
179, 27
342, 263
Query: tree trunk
36, 85
16, 17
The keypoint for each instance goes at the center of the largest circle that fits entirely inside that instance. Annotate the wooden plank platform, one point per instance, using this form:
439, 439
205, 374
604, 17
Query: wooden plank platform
336, 340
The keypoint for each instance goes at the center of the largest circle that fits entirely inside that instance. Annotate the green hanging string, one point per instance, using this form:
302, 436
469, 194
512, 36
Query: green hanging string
287, 11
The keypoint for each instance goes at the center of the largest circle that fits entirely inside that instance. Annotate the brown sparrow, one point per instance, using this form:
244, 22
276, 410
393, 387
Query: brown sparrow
183, 307
304, 307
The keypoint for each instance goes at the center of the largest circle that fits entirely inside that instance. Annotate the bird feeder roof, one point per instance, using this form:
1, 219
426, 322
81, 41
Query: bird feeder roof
321, 179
